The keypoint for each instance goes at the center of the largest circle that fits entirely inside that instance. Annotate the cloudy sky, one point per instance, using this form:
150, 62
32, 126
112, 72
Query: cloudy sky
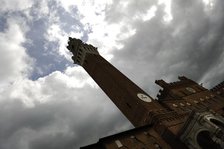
46, 102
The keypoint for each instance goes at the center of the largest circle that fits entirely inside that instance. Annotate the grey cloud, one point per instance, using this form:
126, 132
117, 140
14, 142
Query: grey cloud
191, 44
123, 10
58, 124
66, 119
70, 117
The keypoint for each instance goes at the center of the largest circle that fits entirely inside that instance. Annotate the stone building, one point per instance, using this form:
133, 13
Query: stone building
186, 115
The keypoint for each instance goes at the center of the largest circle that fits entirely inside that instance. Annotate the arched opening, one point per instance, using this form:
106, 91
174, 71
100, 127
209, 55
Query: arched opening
218, 123
205, 141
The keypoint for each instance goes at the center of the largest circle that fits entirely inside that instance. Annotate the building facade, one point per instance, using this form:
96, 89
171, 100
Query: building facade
185, 115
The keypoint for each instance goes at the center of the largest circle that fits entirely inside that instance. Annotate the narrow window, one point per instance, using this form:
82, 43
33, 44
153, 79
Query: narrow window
129, 106
118, 142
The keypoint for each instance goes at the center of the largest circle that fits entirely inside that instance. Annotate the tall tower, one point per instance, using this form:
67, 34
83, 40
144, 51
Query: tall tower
186, 115
133, 102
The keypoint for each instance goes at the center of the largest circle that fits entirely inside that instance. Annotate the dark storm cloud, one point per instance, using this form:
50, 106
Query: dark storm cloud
191, 44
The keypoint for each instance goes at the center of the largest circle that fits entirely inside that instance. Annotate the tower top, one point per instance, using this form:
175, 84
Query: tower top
79, 50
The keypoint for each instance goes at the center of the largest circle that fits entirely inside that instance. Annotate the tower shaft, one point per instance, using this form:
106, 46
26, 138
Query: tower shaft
122, 91
133, 102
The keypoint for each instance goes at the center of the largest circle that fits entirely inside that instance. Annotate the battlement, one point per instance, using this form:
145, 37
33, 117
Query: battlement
219, 89
178, 89
80, 50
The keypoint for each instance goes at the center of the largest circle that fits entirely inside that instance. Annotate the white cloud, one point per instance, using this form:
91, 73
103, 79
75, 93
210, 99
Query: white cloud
14, 61
48, 88
58, 106
150, 13
168, 16
209, 3
15, 5
56, 34
93, 15
85, 5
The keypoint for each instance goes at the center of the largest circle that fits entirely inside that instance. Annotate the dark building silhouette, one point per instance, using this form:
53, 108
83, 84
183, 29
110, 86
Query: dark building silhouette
185, 116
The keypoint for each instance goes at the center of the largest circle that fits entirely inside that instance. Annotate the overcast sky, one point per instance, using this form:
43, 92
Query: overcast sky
46, 102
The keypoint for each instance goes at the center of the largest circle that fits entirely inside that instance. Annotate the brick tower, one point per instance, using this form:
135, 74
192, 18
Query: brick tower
186, 115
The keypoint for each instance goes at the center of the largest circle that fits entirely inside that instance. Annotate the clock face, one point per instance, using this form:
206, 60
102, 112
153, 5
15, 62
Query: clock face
144, 97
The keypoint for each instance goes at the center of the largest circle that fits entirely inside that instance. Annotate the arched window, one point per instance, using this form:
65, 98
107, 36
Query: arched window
218, 123
205, 141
